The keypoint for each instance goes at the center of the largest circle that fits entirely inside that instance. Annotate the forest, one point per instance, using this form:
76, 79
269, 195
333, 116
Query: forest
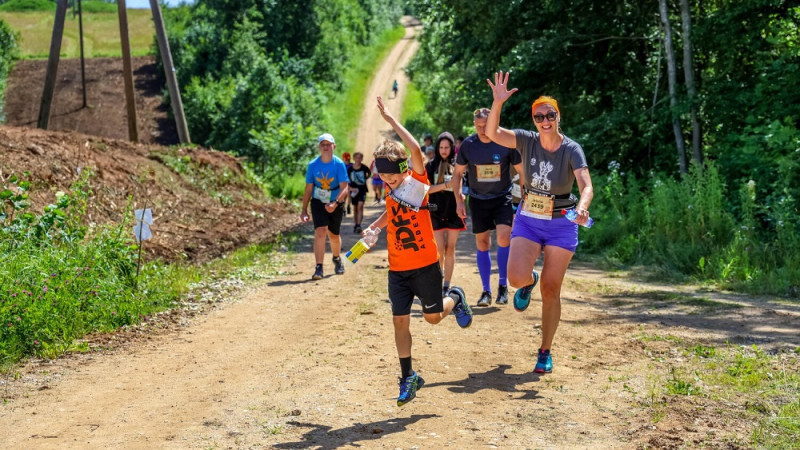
688, 112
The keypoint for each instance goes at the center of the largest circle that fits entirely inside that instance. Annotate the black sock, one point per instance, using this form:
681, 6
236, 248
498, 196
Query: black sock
405, 367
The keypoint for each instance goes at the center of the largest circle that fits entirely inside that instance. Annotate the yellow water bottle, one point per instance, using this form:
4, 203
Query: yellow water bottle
363, 245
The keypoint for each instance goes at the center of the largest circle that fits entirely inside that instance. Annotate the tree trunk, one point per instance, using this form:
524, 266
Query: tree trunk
670, 54
688, 70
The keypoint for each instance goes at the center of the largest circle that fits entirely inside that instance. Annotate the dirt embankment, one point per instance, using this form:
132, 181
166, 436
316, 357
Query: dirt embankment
204, 214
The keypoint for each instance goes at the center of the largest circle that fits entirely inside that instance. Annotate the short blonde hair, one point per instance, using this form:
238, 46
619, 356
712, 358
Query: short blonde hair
391, 150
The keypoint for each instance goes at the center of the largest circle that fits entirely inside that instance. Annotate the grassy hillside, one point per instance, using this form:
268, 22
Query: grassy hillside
100, 33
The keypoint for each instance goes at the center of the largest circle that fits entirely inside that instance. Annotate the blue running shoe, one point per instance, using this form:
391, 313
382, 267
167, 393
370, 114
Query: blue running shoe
408, 388
522, 298
461, 309
544, 363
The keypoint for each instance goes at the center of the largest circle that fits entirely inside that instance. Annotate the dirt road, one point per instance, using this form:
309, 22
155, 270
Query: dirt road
295, 363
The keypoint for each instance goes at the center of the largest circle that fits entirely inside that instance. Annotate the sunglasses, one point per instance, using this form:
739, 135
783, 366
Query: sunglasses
551, 116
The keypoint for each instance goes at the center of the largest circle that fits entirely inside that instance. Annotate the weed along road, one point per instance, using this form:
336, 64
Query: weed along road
287, 362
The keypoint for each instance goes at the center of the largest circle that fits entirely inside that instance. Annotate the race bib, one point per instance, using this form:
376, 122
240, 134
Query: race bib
353, 193
538, 205
323, 195
411, 193
516, 191
487, 172
447, 179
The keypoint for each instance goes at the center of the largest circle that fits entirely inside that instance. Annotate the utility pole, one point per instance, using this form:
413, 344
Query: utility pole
169, 73
52, 65
127, 71
83, 62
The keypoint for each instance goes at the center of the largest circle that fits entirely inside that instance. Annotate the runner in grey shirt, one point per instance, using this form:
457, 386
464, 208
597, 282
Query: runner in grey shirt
552, 163
490, 201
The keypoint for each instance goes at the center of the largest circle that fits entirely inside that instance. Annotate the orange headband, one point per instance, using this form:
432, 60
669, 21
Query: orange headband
545, 100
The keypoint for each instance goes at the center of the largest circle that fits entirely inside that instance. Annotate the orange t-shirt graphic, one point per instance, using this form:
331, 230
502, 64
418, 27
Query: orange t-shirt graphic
409, 234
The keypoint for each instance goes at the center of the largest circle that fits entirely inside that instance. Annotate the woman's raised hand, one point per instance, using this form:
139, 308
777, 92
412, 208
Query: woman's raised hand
500, 91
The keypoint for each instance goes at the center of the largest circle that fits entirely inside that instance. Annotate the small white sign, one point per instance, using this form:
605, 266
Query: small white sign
144, 218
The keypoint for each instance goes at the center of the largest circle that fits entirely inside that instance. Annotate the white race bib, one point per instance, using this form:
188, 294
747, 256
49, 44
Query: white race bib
411, 192
323, 195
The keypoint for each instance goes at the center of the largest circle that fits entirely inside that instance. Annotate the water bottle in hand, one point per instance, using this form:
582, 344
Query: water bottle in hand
572, 216
363, 245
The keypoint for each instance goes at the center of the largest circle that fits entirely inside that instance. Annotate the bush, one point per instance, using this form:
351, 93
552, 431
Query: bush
28, 5
8, 53
97, 7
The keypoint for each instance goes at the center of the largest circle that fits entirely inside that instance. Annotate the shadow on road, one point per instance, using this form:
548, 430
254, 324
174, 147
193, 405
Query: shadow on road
325, 437
496, 379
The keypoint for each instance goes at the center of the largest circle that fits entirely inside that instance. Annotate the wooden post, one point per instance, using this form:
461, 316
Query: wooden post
83, 62
127, 71
169, 73
52, 64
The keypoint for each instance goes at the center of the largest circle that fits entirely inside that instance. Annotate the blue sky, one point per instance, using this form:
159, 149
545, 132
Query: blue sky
142, 4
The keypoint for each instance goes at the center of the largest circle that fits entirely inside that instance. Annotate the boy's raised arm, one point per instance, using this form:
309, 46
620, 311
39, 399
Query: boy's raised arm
417, 163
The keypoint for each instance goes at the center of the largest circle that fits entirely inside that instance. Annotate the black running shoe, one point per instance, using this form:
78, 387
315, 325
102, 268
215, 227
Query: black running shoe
317, 273
338, 266
502, 295
486, 298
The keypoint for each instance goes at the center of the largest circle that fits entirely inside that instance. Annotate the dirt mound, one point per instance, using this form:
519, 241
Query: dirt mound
105, 114
203, 206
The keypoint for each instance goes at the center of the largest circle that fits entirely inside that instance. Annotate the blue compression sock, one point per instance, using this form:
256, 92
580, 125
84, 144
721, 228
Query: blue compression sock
502, 264
485, 268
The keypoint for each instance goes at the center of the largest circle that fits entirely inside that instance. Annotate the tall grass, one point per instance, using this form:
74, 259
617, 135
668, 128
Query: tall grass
697, 226
100, 33
61, 279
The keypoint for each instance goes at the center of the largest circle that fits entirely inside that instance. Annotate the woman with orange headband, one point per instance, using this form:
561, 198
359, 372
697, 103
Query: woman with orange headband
551, 162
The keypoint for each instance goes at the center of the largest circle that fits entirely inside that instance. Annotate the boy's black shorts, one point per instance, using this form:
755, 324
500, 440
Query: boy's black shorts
358, 194
487, 214
322, 218
425, 283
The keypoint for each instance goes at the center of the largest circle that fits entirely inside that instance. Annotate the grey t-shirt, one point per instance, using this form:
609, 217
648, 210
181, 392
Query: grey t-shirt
488, 167
551, 172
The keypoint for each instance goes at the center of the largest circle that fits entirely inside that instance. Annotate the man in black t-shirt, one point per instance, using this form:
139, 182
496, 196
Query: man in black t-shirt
490, 201
358, 174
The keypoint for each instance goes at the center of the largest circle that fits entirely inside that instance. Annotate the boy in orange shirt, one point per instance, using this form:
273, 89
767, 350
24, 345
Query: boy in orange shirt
414, 268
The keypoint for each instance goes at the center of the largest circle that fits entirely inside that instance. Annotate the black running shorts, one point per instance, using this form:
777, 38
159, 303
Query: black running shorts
322, 218
487, 214
425, 283
448, 223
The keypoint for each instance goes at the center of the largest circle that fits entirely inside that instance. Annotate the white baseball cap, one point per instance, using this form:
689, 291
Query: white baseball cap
326, 137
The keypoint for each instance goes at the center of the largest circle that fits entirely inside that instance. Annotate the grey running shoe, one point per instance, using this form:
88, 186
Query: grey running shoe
317, 273
502, 295
486, 298
338, 266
